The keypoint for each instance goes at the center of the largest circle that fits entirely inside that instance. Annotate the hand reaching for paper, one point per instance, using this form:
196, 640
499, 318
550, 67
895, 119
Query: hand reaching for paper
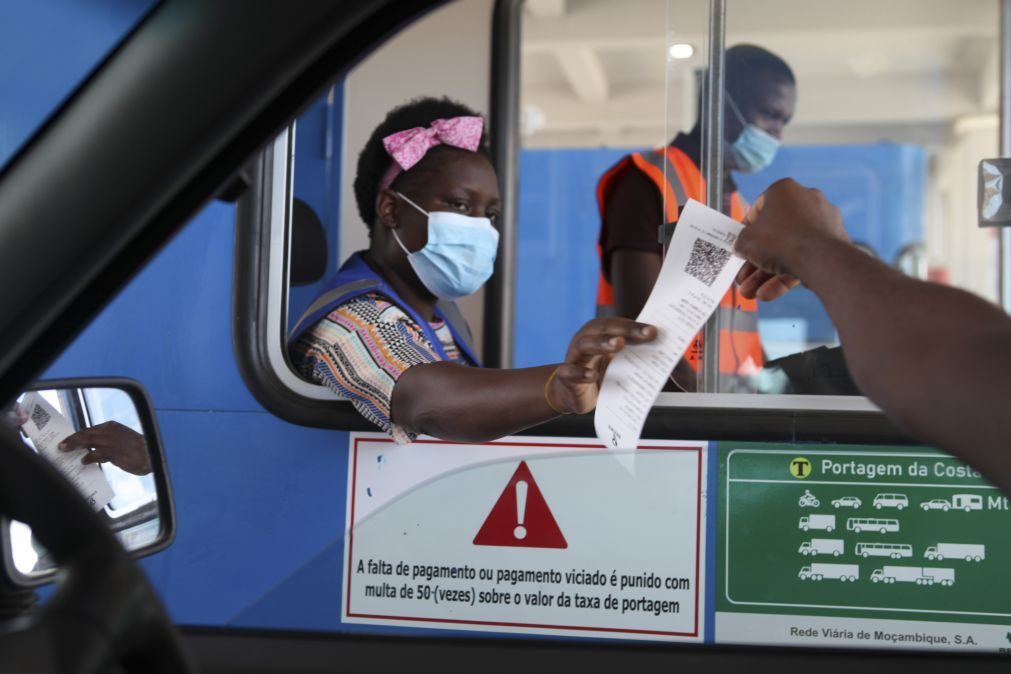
113, 442
13, 416
785, 223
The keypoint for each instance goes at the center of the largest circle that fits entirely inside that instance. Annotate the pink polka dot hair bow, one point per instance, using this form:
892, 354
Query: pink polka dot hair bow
409, 146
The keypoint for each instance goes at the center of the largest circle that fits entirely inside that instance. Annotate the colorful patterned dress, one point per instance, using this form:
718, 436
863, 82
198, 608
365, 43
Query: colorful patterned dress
360, 349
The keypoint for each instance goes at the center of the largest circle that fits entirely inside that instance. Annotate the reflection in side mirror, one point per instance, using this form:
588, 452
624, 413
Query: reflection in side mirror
101, 435
911, 260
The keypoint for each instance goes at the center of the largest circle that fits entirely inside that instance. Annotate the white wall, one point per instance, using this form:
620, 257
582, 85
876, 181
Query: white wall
447, 53
955, 243
595, 70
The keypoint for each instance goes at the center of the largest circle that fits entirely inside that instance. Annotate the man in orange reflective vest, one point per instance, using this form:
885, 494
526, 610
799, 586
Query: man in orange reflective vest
640, 198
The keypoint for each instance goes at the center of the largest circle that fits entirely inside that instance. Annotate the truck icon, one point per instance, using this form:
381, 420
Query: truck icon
822, 546
967, 502
913, 574
817, 522
843, 572
970, 552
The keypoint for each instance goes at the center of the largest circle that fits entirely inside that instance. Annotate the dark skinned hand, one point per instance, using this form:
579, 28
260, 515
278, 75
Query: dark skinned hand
113, 442
14, 416
576, 384
787, 222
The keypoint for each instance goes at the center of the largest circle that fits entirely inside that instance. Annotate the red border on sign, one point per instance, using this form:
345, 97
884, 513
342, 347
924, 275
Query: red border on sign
698, 543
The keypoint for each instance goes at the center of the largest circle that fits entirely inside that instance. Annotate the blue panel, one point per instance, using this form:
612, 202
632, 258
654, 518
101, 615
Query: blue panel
256, 499
318, 183
879, 188
712, 488
308, 599
47, 47
558, 225
171, 327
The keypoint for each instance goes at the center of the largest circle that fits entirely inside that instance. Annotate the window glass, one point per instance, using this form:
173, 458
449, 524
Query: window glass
262, 503
896, 104
39, 77
313, 220
596, 86
324, 226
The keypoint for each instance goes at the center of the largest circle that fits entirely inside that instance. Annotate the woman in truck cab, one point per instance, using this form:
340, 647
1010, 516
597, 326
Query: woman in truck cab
385, 333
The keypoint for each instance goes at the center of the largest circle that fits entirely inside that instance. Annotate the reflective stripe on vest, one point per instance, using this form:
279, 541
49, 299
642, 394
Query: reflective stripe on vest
666, 168
678, 179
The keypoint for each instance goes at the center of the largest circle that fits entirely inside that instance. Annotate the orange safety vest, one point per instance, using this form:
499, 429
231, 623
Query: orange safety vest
739, 338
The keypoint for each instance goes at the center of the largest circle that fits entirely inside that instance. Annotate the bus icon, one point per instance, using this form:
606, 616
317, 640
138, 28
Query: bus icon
892, 550
860, 524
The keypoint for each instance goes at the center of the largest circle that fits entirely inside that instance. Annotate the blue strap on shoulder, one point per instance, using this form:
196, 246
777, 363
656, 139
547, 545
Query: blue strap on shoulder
356, 277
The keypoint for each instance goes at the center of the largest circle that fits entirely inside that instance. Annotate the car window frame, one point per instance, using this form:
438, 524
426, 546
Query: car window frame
129, 245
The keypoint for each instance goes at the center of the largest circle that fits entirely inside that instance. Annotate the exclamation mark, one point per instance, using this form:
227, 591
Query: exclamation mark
520, 532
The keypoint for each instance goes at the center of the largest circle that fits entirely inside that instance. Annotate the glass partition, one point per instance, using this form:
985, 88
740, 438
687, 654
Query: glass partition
885, 107
599, 82
895, 105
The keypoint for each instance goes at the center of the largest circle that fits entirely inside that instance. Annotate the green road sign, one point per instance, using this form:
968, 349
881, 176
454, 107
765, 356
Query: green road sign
883, 532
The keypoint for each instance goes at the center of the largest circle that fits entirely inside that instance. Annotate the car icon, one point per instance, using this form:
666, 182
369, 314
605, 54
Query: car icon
936, 504
846, 502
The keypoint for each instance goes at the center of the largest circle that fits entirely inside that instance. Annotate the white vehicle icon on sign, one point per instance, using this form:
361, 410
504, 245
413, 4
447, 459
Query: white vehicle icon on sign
936, 504
899, 501
808, 500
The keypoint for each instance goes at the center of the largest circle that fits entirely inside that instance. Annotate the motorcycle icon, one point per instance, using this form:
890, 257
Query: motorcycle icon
808, 500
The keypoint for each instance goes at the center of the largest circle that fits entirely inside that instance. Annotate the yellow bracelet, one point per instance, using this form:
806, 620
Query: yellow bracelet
547, 399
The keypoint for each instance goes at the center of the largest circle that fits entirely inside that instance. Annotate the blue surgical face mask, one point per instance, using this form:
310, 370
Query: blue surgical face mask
459, 256
754, 149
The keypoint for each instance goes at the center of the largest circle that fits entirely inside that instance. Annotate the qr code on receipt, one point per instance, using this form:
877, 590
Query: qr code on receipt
706, 261
40, 417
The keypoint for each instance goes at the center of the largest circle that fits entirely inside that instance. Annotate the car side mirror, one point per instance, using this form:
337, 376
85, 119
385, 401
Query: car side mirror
102, 436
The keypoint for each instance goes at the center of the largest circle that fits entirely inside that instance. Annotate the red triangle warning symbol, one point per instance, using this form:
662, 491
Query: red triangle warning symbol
521, 517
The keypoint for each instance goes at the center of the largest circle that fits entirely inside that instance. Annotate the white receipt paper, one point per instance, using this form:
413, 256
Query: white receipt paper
47, 428
699, 267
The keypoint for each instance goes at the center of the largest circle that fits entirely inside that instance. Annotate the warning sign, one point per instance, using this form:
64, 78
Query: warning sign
521, 518
526, 535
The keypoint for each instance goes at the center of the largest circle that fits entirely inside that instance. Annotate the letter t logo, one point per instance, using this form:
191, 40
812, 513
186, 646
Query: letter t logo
800, 468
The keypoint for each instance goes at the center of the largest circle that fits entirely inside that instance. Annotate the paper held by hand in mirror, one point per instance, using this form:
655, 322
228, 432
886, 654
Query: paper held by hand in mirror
699, 267
47, 428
